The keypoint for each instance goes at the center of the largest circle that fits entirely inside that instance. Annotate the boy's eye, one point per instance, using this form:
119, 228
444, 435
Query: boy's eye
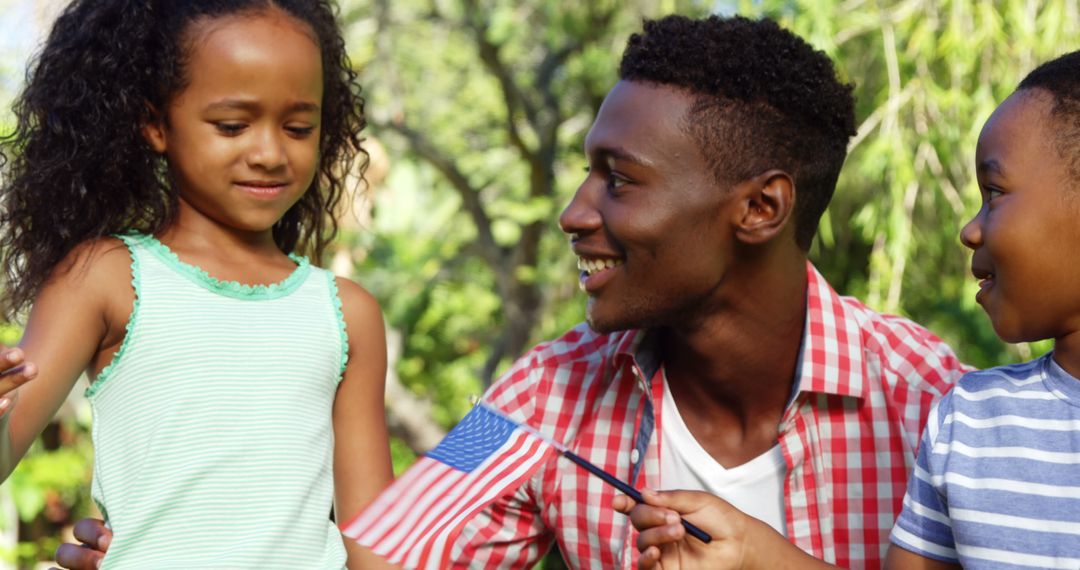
992, 193
229, 128
614, 181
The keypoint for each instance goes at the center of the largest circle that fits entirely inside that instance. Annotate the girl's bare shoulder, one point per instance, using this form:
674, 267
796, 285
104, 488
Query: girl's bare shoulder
96, 264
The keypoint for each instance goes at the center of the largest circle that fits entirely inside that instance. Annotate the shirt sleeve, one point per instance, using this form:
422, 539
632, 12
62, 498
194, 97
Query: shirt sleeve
923, 526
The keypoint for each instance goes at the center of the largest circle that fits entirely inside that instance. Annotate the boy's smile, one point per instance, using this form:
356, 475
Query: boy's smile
1025, 238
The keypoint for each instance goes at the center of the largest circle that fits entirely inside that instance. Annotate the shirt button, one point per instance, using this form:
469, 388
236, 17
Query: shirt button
634, 456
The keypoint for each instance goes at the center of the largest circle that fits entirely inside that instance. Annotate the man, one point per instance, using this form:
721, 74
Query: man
715, 357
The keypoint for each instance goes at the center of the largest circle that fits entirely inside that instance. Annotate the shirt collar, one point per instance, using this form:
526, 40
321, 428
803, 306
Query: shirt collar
830, 360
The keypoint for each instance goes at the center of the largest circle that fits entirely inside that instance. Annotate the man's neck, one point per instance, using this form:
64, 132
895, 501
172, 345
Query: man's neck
731, 374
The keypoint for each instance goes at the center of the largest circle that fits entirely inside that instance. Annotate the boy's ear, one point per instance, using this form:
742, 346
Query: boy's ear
153, 129
766, 203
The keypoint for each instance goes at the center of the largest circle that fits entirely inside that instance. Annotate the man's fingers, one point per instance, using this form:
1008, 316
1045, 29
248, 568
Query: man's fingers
93, 532
623, 504
78, 557
649, 559
660, 536
684, 501
648, 516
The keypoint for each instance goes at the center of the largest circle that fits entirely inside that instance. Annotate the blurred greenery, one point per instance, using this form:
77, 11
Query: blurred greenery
482, 107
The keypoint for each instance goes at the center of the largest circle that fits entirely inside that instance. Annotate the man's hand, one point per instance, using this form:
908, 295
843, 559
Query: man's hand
739, 542
95, 538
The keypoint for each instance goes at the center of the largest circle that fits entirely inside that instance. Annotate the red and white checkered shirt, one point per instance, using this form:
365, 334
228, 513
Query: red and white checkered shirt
866, 383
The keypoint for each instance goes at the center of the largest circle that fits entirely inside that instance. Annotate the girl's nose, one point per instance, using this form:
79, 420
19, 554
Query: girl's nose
267, 151
971, 233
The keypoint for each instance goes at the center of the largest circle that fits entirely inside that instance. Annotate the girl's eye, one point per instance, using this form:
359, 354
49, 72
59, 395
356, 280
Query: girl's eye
300, 131
230, 128
992, 193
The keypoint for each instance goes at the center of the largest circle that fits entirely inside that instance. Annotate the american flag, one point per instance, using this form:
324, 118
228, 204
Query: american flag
415, 521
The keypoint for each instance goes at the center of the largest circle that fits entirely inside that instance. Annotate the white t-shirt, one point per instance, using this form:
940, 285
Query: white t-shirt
755, 487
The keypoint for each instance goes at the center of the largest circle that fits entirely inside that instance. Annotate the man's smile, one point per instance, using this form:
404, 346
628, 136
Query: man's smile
596, 271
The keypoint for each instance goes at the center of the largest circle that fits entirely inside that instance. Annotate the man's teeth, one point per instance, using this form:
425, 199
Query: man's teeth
591, 266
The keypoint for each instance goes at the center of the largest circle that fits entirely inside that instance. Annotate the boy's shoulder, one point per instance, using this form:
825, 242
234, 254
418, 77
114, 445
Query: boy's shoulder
1011, 390
1010, 377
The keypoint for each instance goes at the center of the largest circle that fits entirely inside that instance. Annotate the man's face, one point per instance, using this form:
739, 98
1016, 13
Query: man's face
649, 221
1025, 239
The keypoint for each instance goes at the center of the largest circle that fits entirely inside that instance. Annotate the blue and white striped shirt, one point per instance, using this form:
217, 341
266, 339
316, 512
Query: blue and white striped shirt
997, 480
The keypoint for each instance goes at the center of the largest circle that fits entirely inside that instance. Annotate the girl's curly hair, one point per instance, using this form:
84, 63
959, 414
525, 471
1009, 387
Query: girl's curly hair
77, 166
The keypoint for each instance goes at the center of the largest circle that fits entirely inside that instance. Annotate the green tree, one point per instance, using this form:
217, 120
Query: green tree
927, 75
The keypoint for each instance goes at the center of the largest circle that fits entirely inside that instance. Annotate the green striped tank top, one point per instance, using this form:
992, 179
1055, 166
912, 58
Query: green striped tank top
212, 428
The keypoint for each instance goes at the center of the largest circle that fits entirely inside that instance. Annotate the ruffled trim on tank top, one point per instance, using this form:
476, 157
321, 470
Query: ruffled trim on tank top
233, 289
335, 299
136, 287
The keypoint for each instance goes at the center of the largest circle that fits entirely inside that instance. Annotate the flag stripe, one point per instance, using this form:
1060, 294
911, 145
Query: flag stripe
416, 520
506, 475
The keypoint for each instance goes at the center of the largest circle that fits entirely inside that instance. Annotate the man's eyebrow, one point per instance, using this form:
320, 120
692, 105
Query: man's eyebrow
247, 105
620, 153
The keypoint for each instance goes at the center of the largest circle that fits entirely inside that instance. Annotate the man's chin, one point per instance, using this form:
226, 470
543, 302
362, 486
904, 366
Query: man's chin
603, 324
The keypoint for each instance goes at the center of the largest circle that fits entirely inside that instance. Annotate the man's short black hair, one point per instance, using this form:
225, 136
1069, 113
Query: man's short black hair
764, 98
1061, 79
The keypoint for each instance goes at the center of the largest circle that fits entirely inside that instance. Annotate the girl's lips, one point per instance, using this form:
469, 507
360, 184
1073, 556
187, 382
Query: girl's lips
262, 189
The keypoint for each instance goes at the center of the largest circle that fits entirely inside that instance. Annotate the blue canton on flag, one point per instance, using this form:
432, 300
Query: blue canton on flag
476, 437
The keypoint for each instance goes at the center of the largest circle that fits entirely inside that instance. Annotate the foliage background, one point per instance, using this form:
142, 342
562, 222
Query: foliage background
478, 110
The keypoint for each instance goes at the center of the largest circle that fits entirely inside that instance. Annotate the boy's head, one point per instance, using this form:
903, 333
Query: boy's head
1025, 237
763, 99
1060, 79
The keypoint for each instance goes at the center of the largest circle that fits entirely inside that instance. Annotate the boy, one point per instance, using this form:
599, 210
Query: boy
997, 479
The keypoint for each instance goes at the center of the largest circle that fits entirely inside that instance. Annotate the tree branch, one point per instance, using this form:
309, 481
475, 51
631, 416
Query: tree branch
512, 94
470, 197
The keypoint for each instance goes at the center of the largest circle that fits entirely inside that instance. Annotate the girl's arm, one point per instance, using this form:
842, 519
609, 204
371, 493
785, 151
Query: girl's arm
361, 444
71, 321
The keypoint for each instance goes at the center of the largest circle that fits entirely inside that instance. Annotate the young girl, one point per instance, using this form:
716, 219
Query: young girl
170, 160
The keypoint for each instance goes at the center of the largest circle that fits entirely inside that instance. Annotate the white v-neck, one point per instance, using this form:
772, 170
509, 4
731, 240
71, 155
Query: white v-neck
755, 487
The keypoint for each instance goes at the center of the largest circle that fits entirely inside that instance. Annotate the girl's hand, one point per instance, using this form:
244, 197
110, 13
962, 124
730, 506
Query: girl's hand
14, 372
739, 541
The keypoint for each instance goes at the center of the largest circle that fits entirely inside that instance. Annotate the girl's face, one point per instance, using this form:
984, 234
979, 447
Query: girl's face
242, 139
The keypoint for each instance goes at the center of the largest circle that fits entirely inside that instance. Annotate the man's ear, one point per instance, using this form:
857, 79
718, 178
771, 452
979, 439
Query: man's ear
766, 205
153, 129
